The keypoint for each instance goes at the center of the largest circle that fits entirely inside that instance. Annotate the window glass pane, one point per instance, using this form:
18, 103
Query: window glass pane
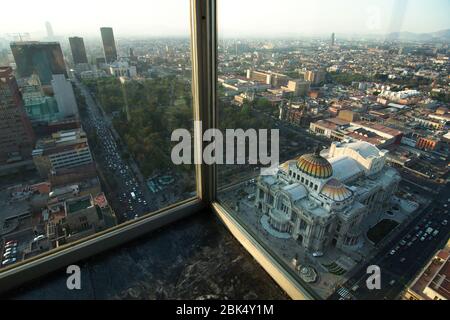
358, 92
89, 97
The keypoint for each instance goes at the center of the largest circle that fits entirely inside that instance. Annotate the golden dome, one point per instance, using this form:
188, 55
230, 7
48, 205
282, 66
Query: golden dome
315, 165
335, 190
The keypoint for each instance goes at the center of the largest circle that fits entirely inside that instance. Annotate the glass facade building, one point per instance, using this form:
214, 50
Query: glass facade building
78, 50
109, 44
41, 58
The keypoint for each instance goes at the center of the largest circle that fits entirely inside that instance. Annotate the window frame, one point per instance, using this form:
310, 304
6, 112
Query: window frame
261, 253
203, 34
19, 273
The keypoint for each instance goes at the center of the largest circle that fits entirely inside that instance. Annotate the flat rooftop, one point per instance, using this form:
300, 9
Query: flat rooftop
77, 205
435, 276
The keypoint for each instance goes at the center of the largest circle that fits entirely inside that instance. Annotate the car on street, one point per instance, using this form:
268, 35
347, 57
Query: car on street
38, 238
9, 261
11, 245
317, 254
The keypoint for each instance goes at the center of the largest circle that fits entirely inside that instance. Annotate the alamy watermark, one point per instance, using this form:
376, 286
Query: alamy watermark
374, 280
236, 146
73, 281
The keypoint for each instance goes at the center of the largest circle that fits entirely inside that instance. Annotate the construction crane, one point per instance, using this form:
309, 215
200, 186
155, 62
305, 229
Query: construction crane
20, 35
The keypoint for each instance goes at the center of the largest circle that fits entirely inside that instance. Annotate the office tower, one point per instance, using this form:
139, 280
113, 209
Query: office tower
65, 98
78, 50
41, 58
109, 44
16, 134
332, 39
49, 29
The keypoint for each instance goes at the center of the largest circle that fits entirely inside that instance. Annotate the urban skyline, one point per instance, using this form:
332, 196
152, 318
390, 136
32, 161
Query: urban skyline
304, 18
362, 136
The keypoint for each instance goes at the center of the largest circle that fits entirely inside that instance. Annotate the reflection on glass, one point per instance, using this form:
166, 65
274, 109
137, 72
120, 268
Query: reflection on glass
86, 115
362, 115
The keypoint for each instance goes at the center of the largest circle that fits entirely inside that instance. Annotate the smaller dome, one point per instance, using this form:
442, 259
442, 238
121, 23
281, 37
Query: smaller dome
336, 191
285, 166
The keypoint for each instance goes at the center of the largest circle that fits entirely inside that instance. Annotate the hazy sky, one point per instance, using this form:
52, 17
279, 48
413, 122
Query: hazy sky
236, 17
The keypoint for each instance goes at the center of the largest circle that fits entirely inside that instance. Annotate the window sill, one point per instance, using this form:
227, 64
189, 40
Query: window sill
193, 258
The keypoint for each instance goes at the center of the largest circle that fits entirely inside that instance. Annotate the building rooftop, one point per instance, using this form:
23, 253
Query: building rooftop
61, 141
435, 276
78, 204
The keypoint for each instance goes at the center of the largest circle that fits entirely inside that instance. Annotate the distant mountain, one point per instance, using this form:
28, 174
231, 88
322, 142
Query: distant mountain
443, 35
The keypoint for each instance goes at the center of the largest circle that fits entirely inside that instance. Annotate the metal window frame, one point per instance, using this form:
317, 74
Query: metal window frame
15, 275
203, 27
205, 31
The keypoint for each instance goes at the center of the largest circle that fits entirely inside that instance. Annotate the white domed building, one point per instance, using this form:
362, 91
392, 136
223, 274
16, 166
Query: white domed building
322, 200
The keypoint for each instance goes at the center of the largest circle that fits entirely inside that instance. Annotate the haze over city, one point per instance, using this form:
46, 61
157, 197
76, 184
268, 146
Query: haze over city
236, 18
97, 105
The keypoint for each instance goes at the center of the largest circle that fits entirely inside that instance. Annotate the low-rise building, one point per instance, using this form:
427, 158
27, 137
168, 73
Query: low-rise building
433, 282
79, 217
63, 150
122, 69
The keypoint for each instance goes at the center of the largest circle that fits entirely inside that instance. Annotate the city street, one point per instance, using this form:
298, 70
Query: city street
130, 192
399, 268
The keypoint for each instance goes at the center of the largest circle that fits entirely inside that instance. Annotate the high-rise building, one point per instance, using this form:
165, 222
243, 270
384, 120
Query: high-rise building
109, 44
78, 50
49, 29
39, 107
64, 95
333, 39
16, 134
41, 58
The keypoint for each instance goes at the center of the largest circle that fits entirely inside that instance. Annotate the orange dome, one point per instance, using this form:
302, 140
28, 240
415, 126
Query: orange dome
335, 190
315, 166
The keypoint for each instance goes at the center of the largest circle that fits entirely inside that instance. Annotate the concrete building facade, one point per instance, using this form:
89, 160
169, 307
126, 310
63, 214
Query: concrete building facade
323, 202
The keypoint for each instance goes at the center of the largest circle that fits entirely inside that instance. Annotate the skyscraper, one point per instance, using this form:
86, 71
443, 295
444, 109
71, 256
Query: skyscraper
64, 96
42, 58
332, 39
16, 134
49, 29
109, 44
78, 50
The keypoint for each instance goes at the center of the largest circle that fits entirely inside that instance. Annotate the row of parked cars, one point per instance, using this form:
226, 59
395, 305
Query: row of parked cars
10, 252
